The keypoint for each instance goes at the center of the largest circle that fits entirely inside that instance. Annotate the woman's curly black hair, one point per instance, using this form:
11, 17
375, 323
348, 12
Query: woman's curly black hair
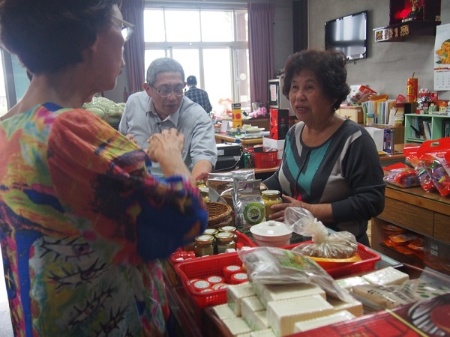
327, 65
49, 35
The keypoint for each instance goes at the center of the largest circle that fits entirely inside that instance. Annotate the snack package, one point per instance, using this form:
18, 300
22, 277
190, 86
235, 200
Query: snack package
438, 174
433, 153
379, 297
271, 265
220, 182
337, 245
401, 175
422, 173
249, 206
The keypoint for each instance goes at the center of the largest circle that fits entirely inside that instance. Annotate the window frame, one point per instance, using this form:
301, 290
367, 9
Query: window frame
233, 46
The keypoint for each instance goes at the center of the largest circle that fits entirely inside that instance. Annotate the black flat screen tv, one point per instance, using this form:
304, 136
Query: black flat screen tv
348, 34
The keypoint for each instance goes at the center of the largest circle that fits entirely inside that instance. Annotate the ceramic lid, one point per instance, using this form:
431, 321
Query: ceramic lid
270, 228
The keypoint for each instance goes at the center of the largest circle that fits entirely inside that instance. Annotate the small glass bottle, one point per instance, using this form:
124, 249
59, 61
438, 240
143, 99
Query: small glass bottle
270, 198
204, 245
224, 240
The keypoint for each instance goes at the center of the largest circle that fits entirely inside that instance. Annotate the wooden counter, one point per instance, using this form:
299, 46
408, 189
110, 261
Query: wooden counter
246, 142
424, 213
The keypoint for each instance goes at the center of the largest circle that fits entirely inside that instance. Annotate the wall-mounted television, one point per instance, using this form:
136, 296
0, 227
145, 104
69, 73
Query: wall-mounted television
348, 34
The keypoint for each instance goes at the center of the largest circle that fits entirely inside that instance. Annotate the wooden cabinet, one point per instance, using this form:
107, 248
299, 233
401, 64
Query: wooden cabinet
424, 213
419, 128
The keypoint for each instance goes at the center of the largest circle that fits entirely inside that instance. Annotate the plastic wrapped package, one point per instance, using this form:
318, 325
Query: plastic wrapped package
337, 245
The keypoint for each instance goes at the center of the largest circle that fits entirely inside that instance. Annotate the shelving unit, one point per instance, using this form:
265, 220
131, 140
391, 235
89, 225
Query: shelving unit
419, 128
424, 213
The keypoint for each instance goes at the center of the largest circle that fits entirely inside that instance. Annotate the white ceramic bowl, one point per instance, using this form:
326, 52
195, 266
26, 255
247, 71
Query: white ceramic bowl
271, 234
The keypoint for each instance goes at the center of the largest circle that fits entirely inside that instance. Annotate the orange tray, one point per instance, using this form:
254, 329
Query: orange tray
367, 260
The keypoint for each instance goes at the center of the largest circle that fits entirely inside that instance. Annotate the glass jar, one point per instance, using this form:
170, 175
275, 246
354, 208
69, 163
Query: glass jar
210, 231
204, 190
270, 198
204, 245
230, 229
224, 241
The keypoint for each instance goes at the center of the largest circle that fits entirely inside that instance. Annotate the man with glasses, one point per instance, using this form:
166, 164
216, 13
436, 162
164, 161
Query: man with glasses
162, 106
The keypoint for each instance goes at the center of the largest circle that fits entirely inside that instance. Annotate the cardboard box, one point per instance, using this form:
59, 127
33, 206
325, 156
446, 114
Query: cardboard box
377, 135
424, 318
353, 113
274, 144
279, 123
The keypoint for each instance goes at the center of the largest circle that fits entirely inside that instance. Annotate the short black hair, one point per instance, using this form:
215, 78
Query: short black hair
191, 80
50, 35
327, 65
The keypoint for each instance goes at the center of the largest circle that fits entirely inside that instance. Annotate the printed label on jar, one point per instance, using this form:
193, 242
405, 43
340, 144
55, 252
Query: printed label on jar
254, 213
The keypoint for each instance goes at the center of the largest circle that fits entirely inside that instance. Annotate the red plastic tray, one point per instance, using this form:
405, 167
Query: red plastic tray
368, 260
203, 267
242, 240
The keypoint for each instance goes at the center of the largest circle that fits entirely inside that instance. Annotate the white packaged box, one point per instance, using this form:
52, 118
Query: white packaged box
377, 135
274, 144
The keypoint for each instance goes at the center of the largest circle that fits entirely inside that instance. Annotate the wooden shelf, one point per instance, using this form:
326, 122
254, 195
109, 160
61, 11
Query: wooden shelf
400, 31
424, 213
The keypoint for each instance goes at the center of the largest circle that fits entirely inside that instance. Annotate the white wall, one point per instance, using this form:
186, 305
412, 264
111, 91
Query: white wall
389, 64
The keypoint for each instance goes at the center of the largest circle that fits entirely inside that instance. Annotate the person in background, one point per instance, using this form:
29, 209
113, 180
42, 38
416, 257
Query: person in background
82, 222
161, 105
197, 95
330, 166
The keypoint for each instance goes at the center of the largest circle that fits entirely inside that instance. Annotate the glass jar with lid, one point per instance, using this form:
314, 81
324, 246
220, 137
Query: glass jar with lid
204, 190
270, 198
204, 245
224, 241
210, 231
230, 229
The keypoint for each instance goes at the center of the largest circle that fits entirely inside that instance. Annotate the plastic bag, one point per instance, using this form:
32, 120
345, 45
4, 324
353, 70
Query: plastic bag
271, 265
401, 175
337, 245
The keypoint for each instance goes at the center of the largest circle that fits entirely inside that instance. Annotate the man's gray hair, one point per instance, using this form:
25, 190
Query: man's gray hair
163, 65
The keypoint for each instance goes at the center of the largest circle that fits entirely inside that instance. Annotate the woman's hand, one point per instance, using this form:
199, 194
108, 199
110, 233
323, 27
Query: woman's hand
165, 148
131, 137
278, 214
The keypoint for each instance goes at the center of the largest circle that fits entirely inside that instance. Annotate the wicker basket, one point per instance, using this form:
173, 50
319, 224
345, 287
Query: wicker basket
218, 213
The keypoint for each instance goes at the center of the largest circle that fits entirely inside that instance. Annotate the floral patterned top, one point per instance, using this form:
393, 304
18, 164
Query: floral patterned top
82, 225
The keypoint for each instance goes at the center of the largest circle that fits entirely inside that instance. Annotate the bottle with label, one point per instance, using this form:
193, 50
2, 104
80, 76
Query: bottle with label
270, 197
204, 245
236, 115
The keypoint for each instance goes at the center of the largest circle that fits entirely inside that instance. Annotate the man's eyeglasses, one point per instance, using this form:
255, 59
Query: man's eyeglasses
166, 92
127, 28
